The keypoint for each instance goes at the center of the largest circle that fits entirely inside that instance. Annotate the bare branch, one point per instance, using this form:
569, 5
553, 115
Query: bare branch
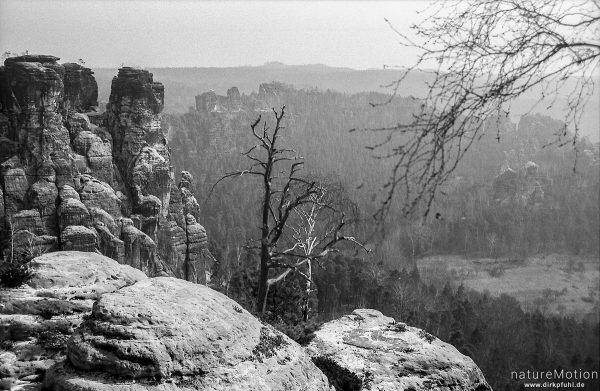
484, 54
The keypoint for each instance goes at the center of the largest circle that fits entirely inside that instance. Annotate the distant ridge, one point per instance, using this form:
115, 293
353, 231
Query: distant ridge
183, 84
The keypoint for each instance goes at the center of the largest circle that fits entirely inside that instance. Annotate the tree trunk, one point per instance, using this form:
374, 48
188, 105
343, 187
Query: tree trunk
265, 256
263, 290
306, 301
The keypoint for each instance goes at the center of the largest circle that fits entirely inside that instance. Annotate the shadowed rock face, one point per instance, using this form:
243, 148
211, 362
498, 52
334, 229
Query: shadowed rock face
367, 350
168, 334
81, 89
97, 181
134, 120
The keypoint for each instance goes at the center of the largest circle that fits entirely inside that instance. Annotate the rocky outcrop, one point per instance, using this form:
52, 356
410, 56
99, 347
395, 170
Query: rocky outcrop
27, 236
269, 96
14, 183
199, 260
367, 350
76, 179
167, 334
505, 185
81, 89
526, 187
134, 116
37, 319
86, 322
78, 238
189, 203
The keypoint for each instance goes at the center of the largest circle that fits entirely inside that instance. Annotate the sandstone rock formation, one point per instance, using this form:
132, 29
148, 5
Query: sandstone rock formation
524, 187
76, 179
222, 123
37, 319
268, 97
86, 322
367, 350
168, 334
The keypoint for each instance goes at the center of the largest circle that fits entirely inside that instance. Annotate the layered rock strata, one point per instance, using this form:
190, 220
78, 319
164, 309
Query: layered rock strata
167, 334
76, 179
37, 319
369, 351
86, 322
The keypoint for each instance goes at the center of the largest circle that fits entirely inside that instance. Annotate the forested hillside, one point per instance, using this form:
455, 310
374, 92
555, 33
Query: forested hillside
508, 200
182, 84
511, 198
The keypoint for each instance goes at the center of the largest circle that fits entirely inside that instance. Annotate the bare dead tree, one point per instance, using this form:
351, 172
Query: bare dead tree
314, 229
285, 195
306, 239
482, 54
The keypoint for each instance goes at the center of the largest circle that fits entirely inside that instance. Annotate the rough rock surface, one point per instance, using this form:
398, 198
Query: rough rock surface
367, 350
525, 186
76, 179
199, 258
81, 89
37, 319
168, 334
189, 203
78, 238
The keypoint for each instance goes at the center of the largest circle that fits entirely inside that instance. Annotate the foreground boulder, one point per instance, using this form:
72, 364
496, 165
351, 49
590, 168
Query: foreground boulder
367, 350
169, 334
37, 319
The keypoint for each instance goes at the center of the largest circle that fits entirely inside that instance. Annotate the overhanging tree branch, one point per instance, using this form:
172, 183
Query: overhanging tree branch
484, 55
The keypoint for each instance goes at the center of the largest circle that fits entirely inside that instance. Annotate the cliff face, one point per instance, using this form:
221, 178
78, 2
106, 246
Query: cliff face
76, 179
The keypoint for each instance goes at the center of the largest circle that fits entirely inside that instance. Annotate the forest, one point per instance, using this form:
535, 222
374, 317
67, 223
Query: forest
545, 207
509, 199
183, 84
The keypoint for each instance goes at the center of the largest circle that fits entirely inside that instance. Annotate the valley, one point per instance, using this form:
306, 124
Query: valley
553, 284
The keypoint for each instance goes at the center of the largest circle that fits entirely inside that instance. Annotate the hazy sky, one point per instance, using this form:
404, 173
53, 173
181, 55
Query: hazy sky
209, 33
